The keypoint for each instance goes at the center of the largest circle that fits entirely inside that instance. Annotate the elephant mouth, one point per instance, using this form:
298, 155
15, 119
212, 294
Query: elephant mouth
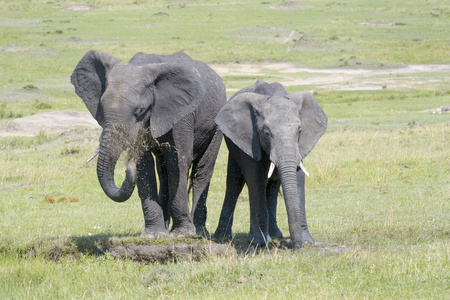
139, 146
272, 168
115, 142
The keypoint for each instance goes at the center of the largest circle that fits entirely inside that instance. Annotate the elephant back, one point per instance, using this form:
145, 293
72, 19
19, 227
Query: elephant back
263, 88
140, 59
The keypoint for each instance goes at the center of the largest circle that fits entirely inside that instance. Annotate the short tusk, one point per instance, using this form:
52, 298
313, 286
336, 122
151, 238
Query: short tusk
271, 168
302, 167
93, 154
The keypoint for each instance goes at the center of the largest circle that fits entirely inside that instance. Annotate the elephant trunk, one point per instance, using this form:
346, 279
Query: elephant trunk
287, 169
107, 160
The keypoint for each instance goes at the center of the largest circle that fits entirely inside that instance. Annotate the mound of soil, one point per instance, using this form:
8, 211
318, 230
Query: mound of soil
170, 252
131, 248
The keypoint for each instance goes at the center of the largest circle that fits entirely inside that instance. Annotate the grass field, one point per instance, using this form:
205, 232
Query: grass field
378, 200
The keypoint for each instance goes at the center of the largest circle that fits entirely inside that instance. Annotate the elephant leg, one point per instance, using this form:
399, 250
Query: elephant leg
235, 183
202, 171
177, 160
147, 189
273, 188
306, 236
256, 177
163, 198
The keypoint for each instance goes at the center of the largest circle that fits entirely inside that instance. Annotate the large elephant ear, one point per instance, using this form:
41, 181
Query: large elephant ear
237, 121
89, 79
178, 91
314, 121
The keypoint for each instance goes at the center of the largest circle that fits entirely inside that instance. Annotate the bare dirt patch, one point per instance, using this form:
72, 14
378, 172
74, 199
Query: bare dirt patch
37, 51
378, 23
288, 74
13, 48
266, 34
78, 8
292, 5
20, 22
51, 122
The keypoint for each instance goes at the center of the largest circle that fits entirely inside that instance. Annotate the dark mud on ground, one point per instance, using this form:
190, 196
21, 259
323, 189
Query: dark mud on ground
170, 252
147, 251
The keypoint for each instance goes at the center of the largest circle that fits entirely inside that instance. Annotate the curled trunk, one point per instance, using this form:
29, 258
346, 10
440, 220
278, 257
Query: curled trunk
107, 160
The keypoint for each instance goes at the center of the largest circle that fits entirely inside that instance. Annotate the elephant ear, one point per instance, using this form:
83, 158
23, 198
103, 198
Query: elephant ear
89, 80
314, 121
237, 121
178, 91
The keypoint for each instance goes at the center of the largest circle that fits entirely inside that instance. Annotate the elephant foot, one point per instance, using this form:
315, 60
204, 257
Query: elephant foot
307, 238
296, 244
259, 238
187, 230
275, 232
202, 231
153, 233
223, 234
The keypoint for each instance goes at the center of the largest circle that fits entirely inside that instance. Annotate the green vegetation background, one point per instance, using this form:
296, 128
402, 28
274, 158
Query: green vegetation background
378, 198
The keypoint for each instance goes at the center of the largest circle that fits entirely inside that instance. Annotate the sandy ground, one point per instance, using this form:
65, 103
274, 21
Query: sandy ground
289, 74
51, 122
407, 77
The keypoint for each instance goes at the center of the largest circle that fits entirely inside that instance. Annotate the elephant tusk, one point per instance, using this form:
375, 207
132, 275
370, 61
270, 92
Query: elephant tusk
302, 167
93, 155
271, 168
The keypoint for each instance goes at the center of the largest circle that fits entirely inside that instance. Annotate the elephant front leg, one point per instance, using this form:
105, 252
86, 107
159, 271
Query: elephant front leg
306, 236
177, 171
273, 188
259, 215
163, 197
153, 213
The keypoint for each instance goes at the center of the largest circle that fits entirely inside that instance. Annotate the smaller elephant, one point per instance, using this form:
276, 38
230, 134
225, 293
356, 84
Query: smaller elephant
268, 133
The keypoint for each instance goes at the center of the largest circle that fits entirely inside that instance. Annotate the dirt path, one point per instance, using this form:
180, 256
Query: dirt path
51, 122
411, 76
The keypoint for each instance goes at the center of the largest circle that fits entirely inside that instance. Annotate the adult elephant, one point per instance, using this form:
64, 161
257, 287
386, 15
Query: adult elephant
268, 133
160, 104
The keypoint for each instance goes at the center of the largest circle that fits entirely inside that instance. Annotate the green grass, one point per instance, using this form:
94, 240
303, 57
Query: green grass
377, 200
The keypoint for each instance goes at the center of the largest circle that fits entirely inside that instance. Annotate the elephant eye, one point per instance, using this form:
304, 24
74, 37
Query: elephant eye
139, 114
266, 132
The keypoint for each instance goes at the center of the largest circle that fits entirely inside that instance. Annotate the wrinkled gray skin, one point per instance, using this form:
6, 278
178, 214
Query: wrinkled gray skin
264, 124
160, 104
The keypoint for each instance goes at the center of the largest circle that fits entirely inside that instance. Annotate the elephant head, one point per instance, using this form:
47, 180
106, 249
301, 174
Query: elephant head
127, 100
285, 127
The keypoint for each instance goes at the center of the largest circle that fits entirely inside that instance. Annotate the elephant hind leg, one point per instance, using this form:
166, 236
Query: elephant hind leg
202, 171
